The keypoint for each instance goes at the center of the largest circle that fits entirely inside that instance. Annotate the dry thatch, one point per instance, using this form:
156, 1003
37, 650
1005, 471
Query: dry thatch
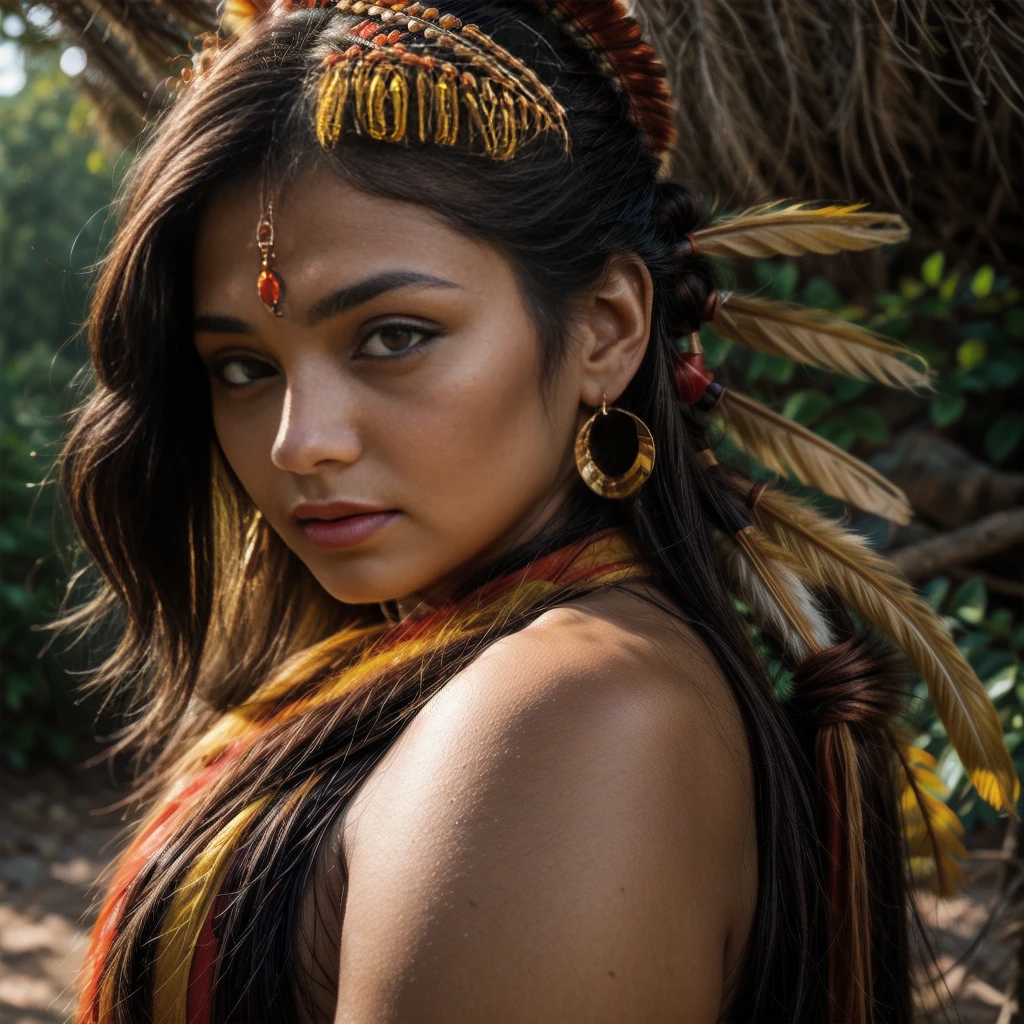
917, 105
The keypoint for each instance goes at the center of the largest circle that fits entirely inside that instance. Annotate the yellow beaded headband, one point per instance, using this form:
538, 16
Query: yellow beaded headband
412, 72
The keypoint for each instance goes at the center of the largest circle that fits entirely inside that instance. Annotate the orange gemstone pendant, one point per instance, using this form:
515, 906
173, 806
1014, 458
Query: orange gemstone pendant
268, 284
269, 287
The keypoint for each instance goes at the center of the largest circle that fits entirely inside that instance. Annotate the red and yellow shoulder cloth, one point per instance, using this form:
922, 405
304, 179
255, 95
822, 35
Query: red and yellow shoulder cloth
186, 957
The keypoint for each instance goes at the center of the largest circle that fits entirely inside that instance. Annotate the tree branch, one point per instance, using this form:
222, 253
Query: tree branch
985, 537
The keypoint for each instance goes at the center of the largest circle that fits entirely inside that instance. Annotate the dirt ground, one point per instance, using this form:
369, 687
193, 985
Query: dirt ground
56, 837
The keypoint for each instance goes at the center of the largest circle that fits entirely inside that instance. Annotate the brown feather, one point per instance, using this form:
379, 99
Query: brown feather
778, 229
831, 557
785, 447
814, 338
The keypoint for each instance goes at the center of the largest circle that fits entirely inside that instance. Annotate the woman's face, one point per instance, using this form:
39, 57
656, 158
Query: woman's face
390, 424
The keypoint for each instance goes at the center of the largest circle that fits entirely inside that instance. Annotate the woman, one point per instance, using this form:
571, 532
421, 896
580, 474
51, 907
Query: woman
406, 492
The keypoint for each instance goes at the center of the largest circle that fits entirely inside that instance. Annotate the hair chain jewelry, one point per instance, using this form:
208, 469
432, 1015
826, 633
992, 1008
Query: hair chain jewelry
268, 284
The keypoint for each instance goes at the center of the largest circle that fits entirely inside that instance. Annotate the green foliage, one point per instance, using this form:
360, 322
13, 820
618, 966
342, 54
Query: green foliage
55, 186
993, 642
38, 713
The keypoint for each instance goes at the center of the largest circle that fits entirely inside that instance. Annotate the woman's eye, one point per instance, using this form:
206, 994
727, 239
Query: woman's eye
391, 341
238, 371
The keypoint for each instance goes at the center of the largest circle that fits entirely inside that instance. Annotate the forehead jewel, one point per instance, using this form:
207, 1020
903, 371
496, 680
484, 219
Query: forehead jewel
403, 52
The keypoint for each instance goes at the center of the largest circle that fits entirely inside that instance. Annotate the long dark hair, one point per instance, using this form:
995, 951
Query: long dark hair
178, 543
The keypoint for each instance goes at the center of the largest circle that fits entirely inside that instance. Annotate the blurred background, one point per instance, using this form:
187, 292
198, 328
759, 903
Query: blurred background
911, 105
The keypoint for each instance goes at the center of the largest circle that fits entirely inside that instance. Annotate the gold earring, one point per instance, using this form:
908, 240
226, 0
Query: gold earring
627, 457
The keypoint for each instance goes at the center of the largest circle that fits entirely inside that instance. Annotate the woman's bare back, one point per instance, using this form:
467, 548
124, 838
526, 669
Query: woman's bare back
601, 670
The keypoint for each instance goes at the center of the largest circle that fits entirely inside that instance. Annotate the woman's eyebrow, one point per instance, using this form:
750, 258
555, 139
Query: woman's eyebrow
337, 302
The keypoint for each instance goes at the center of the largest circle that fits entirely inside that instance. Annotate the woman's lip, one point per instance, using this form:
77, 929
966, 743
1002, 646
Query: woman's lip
335, 534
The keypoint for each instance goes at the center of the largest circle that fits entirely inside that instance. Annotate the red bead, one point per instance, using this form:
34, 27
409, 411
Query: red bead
692, 379
393, 37
269, 287
264, 232
380, 39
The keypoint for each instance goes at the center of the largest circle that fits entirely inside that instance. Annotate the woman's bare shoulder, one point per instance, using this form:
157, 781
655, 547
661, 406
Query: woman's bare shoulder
573, 806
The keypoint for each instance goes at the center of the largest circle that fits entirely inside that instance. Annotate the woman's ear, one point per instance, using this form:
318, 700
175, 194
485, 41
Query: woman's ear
614, 329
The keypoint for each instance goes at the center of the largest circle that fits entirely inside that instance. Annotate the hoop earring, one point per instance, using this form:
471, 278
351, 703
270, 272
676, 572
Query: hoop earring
614, 463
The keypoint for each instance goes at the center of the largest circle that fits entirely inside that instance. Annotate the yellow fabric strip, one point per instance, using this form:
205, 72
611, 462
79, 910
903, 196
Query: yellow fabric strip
608, 557
185, 918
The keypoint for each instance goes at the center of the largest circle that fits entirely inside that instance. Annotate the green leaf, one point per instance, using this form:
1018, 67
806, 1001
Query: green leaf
755, 366
868, 424
807, 406
973, 380
931, 269
949, 768
948, 287
935, 591
1017, 640
716, 348
971, 353
947, 409
846, 389
785, 280
969, 601
1013, 322
1002, 682
820, 294
981, 283
911, 289
1001, 373
838, 431
779, 370
999, 623
1004, 436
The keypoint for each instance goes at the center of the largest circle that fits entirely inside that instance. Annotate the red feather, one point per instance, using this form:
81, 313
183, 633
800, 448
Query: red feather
607, 27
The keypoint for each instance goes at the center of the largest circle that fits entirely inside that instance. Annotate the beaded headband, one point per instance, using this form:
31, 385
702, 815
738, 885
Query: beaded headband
369, 87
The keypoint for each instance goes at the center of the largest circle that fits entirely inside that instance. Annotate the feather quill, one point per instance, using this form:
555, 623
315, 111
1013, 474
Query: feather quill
787, 448
792, 229
811, 337
933, 831
833, 558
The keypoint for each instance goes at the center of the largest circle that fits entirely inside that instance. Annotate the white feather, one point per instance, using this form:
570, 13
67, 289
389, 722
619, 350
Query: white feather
765, 610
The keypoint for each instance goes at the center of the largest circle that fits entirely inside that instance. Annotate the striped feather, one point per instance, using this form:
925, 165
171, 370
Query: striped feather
787, 448
811, 337
782, 228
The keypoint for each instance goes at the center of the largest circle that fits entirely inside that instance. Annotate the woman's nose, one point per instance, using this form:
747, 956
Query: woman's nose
318, 425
